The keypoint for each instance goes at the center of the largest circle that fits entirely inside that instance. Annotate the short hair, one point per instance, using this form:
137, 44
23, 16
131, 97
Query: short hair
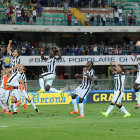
17, 51
91, 63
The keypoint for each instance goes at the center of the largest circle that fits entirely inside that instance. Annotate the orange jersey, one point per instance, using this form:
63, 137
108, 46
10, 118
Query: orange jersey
4, 84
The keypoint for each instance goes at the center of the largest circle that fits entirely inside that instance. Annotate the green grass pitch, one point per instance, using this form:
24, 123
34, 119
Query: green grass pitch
55, 123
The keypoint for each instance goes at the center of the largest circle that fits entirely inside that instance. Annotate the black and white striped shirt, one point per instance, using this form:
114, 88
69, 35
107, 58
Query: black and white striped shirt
51, 64
23, 77
14, 62
86, 83
138, 67
119, 80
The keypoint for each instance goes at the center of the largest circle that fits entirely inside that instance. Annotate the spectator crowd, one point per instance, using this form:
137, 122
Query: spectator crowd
112, 48
29, 10
21, 13
115, 18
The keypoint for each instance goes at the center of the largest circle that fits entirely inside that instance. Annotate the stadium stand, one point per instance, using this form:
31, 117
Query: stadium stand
58, 16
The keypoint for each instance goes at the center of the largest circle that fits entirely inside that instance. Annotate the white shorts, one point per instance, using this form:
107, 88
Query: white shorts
117, 97
138, 80
15, 93
23, 94
82, 93
48, 78
4, 94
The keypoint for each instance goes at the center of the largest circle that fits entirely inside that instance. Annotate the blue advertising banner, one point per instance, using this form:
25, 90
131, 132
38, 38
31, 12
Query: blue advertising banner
104, 96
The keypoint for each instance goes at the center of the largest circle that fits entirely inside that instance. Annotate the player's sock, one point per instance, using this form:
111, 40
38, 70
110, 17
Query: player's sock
109, 109
138, 97
41, 83
54, 90
2, 105
9, 107
14, 107
32, 104
81, 107
124, 110
22, 103
75, 104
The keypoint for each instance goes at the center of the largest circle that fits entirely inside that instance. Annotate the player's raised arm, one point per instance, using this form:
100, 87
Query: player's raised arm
9, 47
111, 68
131, 71
59, 53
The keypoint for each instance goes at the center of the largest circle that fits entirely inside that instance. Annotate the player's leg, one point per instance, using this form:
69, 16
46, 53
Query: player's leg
41, 83
32, 104
122, 108
116, 95
82, 95
14, 102
3, 106
48, 85
74, 104
110, 108
21, 94
5, 99
81, 107
2, 102
137, 92
8, 105
16, 92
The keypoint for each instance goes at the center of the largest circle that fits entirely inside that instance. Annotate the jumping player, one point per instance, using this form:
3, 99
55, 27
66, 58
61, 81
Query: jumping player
23, 89
15, 62
137, 82
47, 78
119, 80
83, 90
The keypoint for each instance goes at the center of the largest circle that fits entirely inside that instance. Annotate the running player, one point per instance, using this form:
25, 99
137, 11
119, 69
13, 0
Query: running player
47, 78
23, 90
119, 80
83, 90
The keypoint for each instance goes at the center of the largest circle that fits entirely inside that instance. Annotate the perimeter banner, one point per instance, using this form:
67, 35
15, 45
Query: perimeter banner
105, 96
48, 98
101, 96
81, 60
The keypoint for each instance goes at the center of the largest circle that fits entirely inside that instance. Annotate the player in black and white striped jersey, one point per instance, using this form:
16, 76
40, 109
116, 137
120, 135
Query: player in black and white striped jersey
137, 81
15, 60
83, 90
119, 81
23, 91
46, 79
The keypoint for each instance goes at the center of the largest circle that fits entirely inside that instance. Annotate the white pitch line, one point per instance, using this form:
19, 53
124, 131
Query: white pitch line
3, 126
